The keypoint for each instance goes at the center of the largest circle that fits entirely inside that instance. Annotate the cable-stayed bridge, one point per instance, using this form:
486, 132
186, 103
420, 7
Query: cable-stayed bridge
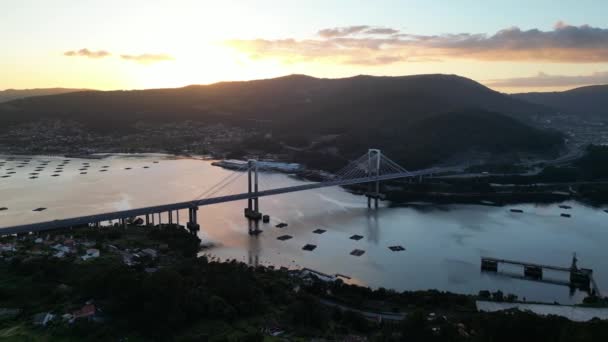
371, 168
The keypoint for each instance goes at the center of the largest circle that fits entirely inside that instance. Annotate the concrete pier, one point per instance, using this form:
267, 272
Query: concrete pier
192, 223
580, 278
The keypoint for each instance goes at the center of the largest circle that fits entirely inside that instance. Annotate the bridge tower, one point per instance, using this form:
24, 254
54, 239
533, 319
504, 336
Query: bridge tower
253, 203
374, 157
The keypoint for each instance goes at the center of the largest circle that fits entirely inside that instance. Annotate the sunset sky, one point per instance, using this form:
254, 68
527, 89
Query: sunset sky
511, 46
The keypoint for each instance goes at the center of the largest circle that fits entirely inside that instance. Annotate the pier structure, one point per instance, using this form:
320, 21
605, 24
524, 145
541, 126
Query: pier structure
579, 278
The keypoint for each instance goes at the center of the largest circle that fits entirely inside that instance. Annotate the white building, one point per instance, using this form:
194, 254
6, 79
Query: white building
90, 254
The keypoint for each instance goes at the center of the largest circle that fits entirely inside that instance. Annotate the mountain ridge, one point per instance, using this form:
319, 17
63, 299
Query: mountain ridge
586, 102
15, 94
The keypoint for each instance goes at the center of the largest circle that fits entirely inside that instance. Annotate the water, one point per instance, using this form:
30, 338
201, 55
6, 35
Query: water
443, 243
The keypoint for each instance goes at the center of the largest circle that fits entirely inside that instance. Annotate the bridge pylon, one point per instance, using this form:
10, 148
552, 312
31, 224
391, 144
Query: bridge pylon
253, 203
374, 157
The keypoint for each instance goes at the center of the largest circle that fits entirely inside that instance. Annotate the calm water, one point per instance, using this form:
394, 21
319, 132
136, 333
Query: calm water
443, 243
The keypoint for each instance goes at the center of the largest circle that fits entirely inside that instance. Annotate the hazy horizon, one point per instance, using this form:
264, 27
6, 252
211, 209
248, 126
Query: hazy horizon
516, 90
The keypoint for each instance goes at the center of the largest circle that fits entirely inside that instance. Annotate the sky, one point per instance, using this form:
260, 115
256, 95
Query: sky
510, 46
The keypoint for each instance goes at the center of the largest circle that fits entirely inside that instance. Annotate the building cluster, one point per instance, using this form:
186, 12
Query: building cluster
88, 312
70, 137
57, 246
77, 250
579, 131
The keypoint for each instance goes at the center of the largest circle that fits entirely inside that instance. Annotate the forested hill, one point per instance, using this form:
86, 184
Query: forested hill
587, 102
319, 104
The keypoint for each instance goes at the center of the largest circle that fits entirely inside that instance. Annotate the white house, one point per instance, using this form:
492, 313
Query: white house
90, 254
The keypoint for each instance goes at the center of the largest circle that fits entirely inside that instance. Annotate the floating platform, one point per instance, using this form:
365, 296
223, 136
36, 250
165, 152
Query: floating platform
357, 252
319, 231
356, 237
281, 225
565, 215
516, 211
396, 248
309, 247
284, 237
39, 209
565, 207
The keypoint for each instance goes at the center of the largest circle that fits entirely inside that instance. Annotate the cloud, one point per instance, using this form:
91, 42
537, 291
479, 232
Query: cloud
87, 53
364, 44
341, 31
545, 80
147, 58
381, 30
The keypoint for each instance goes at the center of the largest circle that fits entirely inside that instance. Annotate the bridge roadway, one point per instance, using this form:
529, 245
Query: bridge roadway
82, 220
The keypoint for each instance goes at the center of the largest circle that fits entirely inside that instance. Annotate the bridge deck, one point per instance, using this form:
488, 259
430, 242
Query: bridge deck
77, 221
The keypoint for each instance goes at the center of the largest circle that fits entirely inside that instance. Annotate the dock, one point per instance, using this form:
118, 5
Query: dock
581, 278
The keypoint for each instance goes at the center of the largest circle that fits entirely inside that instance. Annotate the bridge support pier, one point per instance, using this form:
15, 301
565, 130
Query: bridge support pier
252, 211
170, 216
192, 224
147, 219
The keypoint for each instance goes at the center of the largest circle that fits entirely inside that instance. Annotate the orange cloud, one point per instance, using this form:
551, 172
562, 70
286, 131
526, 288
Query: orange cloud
371, 46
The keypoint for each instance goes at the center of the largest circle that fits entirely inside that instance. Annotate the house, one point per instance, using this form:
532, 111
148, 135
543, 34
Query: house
274, 331
87, 311
61, 248
150, 252
43, 318
90, 254
38, 240
7, 247
59, 255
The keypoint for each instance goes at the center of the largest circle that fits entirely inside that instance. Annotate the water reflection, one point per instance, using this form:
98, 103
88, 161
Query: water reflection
373, 230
